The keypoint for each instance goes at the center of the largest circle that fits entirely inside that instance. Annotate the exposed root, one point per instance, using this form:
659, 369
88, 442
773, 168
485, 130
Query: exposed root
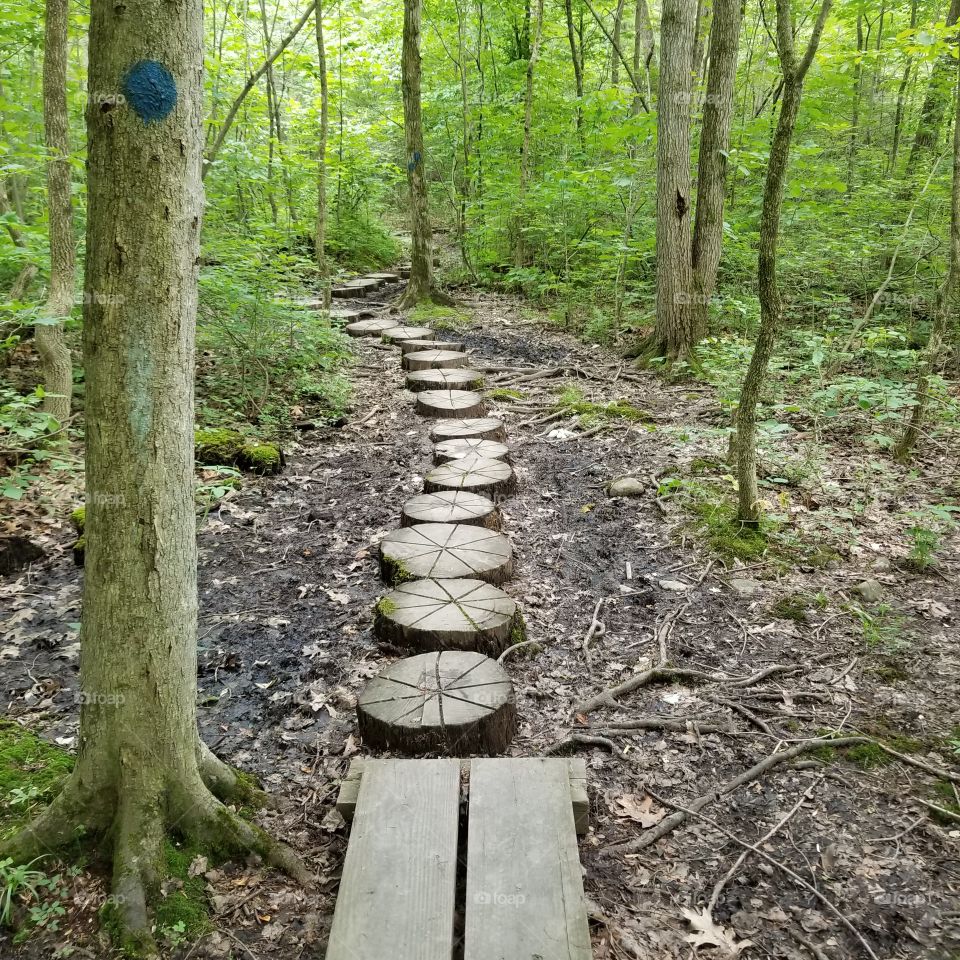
228, 784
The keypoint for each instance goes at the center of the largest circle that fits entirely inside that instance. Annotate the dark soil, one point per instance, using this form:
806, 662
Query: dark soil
288, 582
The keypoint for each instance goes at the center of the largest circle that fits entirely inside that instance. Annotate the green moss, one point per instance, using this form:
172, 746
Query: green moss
385, 606
395, 571
726, 535
183, 912
703, 465
792, 607
573, 403
518, 631
505, 393
217, 447
31, 774
261, 458
944, 796
79, 519
437, 316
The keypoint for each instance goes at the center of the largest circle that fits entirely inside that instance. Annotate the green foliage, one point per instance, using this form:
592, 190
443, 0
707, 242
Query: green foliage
182, 915
24, 439
572, 402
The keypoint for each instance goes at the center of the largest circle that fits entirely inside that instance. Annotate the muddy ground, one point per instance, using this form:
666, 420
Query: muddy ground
289, 579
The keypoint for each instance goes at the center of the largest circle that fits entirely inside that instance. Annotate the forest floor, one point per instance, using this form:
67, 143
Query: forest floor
862, 640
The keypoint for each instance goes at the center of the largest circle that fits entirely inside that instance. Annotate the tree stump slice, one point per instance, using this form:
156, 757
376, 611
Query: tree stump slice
445, 551
444, 380
412, 346
479, 428
397, 334
447, 450
451, 702
450, 403
476, 474
434, 360
368, 328
451, 506
449, 615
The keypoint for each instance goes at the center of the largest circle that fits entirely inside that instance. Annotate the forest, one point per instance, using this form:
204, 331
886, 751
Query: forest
480, 479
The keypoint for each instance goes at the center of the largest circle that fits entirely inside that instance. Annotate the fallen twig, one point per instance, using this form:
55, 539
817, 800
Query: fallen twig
597, 629
586, 740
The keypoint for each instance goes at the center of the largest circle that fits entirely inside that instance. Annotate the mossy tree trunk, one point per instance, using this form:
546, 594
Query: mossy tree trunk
51, 345
947, 306
420, 286
141, 768
771, 307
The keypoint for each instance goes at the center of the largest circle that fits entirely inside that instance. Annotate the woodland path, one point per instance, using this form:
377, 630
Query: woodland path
289, 582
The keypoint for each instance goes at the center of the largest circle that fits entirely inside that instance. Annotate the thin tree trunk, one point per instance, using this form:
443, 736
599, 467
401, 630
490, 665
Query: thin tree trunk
712, 160
644, 52
948, 305
771, 307
617, 42
703, 29
673, 335
857, 96
577, 65
51, 345
526, 162
901, 100
420, 286
141, 769
320, 239
935, 103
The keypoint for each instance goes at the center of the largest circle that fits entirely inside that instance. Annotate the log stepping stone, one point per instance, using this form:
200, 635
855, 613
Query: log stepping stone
411, 346
448, 450
450, 403
396, 334
368, 328
451, 506
434, 360
452, 702
445, 551
355, 288
384, 277
444, 380
480, 428
449, 615
347, 315
477, 474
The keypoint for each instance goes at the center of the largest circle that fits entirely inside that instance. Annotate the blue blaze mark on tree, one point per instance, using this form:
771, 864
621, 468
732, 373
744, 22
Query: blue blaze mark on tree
415, 159
151, 90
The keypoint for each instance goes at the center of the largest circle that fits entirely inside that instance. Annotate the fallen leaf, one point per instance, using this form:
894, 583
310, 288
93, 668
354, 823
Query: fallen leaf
709, 934
640, 811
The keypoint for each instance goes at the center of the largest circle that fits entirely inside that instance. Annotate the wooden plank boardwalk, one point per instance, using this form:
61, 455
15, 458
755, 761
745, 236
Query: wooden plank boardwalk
398, 887
524, 886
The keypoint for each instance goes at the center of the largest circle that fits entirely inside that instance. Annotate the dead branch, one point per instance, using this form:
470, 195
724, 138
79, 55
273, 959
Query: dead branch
585, 740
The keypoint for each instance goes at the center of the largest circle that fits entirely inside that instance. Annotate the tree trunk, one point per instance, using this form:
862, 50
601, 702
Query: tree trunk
703, 29
901, 101
935, 103
712, 160
644, 50
771, 306
857, 97
420, 286
141, 767
673, 335
51, 346
617, 37
520, 254
948, 305
320, 239
577, 64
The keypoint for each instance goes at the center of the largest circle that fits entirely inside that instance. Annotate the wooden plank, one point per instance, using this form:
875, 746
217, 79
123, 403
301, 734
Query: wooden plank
398, 886
524, 885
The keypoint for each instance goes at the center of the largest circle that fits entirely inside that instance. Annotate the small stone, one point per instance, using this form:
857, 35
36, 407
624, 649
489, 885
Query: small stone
677, 586
746, 587
870, 590
626, 487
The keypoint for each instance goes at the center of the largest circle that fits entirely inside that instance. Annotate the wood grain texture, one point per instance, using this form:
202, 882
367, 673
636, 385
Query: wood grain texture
524, 886
398, 886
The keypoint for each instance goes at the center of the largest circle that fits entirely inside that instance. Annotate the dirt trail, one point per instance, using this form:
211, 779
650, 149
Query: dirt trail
288, 580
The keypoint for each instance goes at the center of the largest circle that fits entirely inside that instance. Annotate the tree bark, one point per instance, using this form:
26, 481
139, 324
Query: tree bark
320, 238
712, 160
948, 304
857, 97
51, 345
420, 286
673, 335
141, 767
935, 103
901, 100
520, 254
617, 38
771, 307
575, 56
644, 51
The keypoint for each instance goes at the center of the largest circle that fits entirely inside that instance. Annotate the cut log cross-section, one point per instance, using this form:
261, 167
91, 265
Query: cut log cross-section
447, 450
451, 506
445, 551
434, 360
451, 702
368, 328
397, 334
414, 346
477, 474
450, 403
445, 379
479, 428
449, 615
